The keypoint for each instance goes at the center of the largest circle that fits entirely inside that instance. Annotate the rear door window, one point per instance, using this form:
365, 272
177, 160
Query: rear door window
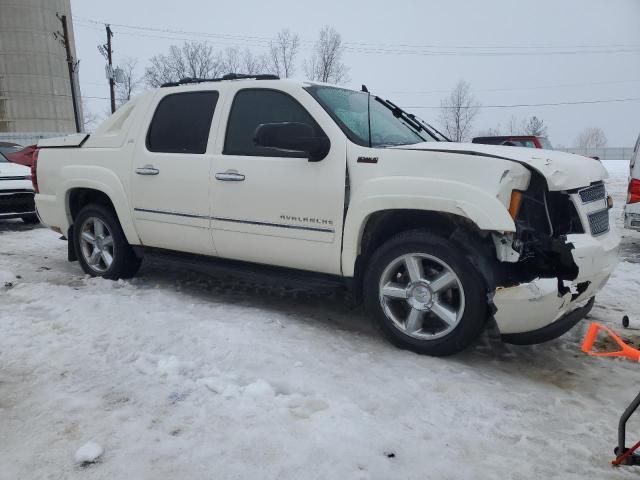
181, 123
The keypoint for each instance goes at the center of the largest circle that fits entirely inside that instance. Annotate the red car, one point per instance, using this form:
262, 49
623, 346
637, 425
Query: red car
23, 157
530, 141
9, 147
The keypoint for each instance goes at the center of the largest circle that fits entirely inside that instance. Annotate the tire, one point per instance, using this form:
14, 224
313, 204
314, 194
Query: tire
30, 219
412, 308
108, 241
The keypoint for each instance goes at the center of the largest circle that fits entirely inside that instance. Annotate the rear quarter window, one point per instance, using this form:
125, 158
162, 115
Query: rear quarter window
181, 123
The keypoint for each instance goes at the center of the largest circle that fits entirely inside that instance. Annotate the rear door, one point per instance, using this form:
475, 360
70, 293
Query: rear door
170, 173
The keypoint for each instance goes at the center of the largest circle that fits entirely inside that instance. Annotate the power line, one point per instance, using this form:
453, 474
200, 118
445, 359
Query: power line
515, 105
539, 87
396, 49
149, 35
267, 39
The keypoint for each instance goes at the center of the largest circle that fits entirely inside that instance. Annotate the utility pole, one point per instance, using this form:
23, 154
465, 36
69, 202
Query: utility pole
63, 38
112, 82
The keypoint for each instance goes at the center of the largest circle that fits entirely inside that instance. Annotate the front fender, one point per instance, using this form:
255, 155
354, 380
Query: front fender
105, 181
487, 212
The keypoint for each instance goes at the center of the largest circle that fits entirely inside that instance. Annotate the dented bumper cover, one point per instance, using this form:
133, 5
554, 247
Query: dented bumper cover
532, 306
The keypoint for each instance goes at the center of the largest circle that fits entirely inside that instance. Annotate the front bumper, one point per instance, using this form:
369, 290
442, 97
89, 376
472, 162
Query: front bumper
16, 203
530, 307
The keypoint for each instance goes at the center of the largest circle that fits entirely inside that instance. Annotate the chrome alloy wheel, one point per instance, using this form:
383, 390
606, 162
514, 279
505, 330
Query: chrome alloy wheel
96, 243
422, 296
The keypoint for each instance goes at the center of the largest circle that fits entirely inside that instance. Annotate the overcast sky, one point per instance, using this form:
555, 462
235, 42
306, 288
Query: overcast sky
413, 52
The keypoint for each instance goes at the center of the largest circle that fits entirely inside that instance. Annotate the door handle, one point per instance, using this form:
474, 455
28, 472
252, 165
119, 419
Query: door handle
147, 170
230, 176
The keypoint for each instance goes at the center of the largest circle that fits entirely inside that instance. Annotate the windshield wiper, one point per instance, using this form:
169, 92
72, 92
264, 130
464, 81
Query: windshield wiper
418, 119
426, 127
410, 118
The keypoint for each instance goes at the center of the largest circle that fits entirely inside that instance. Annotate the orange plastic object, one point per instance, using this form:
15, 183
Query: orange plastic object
625, 350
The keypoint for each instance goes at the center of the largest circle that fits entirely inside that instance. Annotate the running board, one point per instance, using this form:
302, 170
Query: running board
254, 272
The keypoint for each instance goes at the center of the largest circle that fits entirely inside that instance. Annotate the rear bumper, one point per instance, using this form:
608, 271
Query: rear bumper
536, 306
16, 203
50, 213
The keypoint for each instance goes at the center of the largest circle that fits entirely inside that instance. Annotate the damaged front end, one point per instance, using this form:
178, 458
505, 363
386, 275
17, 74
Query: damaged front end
549, 270
539, 247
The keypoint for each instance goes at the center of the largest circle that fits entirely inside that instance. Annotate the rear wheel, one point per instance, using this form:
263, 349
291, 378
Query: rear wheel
103, 250
425, 295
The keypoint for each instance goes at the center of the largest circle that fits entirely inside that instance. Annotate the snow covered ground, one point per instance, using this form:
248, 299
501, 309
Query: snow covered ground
179, 375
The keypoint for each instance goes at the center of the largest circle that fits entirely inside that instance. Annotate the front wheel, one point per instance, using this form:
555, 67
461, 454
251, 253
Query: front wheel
103, 250
425, 295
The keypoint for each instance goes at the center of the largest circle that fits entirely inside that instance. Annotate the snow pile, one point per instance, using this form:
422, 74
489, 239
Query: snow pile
191, 376
90, 452
6, 277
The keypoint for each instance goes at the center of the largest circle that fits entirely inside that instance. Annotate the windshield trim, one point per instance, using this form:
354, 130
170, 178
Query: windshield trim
346, 130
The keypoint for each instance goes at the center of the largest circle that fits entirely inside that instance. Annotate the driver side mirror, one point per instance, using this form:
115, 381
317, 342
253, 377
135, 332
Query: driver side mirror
292, 137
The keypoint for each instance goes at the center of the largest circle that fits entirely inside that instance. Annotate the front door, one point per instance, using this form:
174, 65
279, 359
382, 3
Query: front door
170, 177
275, 207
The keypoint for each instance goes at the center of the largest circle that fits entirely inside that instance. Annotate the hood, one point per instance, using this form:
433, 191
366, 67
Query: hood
563, 171
8, 169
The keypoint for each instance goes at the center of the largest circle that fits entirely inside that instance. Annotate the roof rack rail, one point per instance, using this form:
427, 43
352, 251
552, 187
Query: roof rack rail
228, 76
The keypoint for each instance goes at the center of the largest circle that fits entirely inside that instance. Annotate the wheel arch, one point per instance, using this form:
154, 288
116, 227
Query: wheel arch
102, 187
382, 225
447, 199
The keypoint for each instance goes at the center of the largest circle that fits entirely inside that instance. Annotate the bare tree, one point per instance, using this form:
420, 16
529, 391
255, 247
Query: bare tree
491, 132
90, 118
534, 126
253, 64
592, 138
512, 126
230, 60
458, 111
325, 64
192, 60
282, 53
131, 83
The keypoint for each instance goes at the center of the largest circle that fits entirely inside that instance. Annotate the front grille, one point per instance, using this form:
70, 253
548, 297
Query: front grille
563, 214
599, 222
593, 193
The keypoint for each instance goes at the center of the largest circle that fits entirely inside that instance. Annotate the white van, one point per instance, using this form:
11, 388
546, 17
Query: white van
632, 208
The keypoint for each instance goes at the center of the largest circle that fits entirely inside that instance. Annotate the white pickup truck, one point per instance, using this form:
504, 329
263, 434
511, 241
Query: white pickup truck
437, 238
